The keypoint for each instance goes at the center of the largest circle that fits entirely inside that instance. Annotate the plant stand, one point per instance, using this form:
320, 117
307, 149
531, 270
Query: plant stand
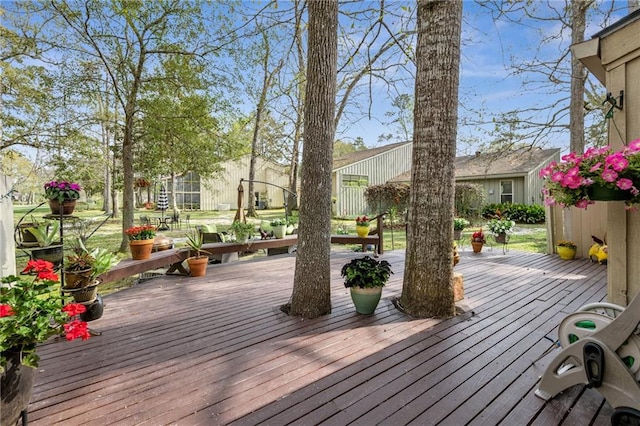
502, 239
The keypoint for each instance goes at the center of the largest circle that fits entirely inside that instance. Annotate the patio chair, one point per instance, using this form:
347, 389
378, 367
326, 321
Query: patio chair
601, 349
145, 220
174, 220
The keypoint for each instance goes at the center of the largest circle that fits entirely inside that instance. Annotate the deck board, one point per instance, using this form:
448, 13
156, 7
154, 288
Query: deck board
217, 350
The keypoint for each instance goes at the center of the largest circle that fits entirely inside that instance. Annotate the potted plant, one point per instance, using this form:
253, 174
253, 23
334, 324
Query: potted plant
501, 228
243, 231
279, 227
141, 241
199, 259
26, 238
82, 269
477, 240
365, 278
31, 311
459, 223
566, 249
62, 196
362, 226
47, 236
600, 174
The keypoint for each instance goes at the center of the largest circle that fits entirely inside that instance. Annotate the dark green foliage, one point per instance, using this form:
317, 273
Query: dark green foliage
520, 213
469, 198
382, 198
366, 272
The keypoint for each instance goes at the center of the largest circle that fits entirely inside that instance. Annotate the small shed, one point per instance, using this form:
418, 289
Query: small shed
613, 56
352, 174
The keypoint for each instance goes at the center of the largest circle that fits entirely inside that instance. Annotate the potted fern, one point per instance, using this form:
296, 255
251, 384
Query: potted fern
199, 259
48, 237
243, 231
365, 278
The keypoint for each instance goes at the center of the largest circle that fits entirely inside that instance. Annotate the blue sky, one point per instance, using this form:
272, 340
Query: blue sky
486, 80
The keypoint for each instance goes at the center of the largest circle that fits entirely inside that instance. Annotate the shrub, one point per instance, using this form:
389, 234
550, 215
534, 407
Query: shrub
520, 213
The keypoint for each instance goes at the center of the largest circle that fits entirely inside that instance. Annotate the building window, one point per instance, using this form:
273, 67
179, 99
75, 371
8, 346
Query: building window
355, 180
188, 191
506, 191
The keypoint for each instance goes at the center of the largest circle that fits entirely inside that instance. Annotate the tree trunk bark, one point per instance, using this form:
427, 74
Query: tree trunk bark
312, 281
428, 276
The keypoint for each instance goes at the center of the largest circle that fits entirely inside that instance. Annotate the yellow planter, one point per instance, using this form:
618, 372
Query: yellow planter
362, 231
566, 253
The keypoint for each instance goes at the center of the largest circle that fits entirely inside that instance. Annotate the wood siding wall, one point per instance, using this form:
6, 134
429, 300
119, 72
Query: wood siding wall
533, 183
620, 57
224, 189
379, 169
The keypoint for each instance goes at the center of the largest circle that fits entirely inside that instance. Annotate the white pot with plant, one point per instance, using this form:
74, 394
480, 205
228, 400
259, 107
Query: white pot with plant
279, 227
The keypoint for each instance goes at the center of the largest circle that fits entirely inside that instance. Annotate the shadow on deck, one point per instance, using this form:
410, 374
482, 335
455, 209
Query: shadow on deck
217, 350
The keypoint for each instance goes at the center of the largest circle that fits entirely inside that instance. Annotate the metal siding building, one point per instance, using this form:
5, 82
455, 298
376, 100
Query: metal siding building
352, 174
221, 191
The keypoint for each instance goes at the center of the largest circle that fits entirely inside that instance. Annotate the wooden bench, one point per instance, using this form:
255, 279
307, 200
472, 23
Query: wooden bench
175, 257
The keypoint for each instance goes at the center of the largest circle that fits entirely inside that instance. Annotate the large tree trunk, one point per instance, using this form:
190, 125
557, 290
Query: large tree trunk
428, 274
312, 282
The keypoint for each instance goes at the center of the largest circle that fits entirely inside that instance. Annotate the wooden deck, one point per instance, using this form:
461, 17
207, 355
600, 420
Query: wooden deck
217, 350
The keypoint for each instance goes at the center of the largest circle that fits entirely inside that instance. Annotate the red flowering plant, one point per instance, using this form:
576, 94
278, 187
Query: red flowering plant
62, 190
478, 236
32, 310
362, 221
144, 232
568, 183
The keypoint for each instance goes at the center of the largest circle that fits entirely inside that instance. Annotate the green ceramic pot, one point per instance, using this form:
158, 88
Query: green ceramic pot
365, 299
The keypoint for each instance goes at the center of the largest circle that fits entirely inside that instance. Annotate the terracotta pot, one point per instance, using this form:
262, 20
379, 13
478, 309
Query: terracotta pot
28, 239
16, 386
77, 279
362, 231
141, 249
477, 246
198, 266
83, 295
67, 207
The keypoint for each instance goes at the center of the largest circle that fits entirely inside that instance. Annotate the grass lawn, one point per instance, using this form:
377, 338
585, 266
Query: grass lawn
107, 233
